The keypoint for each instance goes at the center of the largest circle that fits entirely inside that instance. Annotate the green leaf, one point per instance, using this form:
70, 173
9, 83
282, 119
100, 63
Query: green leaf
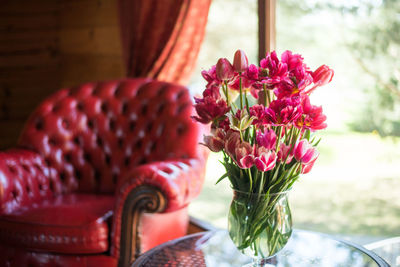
307, 134
222, 178
316, 144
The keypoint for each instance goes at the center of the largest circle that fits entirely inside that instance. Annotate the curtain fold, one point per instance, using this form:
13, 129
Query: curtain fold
161, 38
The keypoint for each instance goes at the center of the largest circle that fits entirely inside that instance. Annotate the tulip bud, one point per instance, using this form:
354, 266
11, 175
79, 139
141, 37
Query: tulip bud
283, 153
304, 152
323, 75
240, 61
224, 70
266, 160
244, 155
215, 144
232, 141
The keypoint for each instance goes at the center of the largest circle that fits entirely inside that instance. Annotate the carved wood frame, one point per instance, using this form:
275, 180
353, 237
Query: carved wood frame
142, 199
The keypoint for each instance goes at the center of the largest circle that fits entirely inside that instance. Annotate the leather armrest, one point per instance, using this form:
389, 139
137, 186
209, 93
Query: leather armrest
156, 187
179, 181
23, 180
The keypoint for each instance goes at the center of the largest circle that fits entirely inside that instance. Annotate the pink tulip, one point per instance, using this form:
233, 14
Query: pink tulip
211, 77
312, 118
275, 70
265, 160
232, 142
209, 109
323, 75
212, 91
283, 153
244, 155
293, 61
304, 152
224, 69
307, 168
258, 112
267, 139
282, 112
240, 61
215, 142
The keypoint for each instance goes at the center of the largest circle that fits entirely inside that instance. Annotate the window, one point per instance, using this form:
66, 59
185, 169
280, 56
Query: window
353, 189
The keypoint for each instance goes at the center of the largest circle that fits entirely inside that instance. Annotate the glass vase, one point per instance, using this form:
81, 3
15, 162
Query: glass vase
259, 225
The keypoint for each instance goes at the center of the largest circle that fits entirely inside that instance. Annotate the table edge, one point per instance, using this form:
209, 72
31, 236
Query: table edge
381, 262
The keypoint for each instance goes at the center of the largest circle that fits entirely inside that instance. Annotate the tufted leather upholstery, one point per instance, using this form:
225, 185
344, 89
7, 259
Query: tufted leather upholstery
81, 152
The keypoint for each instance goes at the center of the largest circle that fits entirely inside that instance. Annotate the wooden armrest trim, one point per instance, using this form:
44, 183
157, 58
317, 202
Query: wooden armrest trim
142, 199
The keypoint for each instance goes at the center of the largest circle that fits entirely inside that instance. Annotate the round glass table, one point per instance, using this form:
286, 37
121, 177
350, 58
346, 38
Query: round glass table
304, 249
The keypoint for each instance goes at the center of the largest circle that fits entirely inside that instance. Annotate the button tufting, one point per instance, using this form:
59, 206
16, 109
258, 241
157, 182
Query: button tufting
63, 176
80, 106
143, 110
12, 169
117, 91
97, 176
180, 129
124, 108
127, 161
99, 141
112, 125
120, 142
104, 107
87, 157
107, 159
68, 157
148, 119
39, 125
65, 123
55, 108
52, 141
78, 175
26, 168
180, 94
149, 127
181, 108
77, 141
132, 125
90, 124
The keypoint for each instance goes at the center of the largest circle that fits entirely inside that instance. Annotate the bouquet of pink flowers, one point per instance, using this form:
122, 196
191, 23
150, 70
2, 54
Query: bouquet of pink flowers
266, 137
268, 144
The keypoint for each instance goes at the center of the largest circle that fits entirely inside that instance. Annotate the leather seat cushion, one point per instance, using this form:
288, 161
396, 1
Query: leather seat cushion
72, 223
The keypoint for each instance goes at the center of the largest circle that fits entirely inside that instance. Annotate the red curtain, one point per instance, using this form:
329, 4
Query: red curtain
161, 38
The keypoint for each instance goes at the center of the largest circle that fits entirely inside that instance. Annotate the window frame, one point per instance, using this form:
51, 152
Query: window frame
266, 27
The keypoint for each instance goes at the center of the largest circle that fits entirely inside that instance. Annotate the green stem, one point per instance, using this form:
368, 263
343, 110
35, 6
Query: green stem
290, 143
227, 93
279, 139
261, 183
275, 239
240, 90
268, 97
265, 95
250, 179
247, 103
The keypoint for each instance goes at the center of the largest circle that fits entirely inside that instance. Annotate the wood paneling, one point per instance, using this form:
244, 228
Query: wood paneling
49, 44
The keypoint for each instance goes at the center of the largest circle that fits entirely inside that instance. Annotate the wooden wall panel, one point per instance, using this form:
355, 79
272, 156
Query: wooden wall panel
49, 44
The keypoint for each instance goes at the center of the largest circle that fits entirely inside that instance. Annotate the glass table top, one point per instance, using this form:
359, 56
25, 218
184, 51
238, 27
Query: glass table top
304, 249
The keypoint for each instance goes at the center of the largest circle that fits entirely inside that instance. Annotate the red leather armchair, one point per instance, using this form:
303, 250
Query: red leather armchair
102, 173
